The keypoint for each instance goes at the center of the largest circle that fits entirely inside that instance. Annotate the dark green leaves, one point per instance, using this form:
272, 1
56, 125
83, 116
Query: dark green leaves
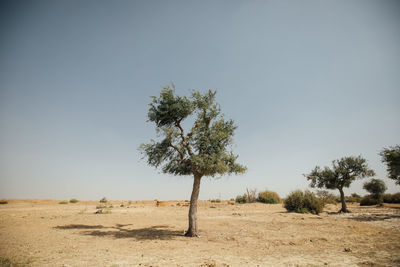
169, 109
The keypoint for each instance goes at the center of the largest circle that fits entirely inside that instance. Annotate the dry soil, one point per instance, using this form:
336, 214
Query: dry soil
46, 233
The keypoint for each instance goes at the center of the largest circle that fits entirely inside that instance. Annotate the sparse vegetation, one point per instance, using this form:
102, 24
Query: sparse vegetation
3, 201
73, 200
391, 198
303, 202
63, 202
217, 200
368, 200
268, 197
327, 197
103, 200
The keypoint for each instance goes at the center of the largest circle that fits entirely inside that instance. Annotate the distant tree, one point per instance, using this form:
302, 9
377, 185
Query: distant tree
391, 156
203, 151
377, 188
342, 174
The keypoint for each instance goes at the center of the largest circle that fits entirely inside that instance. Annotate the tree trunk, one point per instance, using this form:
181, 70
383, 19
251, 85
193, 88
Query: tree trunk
344, 207
192, 231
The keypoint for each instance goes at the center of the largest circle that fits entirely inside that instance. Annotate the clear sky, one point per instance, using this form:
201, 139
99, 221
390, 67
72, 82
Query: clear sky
307, 82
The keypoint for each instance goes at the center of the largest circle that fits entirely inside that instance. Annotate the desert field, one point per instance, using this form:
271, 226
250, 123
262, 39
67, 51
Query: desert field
45, 233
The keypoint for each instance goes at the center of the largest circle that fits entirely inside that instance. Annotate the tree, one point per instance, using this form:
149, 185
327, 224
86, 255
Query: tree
203, 151
342, 174
376, 187
391, 156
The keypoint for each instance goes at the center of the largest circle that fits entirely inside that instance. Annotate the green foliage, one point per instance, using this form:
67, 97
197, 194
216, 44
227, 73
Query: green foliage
268, 197
391, 198
342, 174
103, 200
241, 199
73, 200
204, 150
369, 200
63, 202
376, 187
303, 202
391, 156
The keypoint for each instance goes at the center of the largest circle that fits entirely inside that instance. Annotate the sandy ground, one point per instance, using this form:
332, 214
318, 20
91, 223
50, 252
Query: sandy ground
45, 233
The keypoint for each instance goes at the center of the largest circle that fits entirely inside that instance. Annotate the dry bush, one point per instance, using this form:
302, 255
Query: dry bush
369, 200
306, 202
73, 200
327, 197
3, 201
269, 197
103, 200
391, 198
241, 199
63, 202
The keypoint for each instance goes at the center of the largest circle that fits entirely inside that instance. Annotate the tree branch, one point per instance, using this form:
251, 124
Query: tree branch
183, 137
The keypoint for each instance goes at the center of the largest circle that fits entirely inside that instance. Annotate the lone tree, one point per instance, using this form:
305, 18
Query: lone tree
376, 187
203, 151
342, 174
391, 156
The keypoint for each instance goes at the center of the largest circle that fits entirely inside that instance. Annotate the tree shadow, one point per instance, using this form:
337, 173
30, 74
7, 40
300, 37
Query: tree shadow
157, 232
373, 217
78, 226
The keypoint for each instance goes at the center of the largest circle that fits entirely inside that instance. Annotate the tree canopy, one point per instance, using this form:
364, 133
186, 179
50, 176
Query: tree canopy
204, 150
376, 187
391, 156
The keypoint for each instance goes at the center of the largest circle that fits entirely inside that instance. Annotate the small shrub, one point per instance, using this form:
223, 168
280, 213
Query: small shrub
268, 197
252, 196
306, 202
369, 200
215, 200
73, 200
326, 196
103, 200
391, 198
3, 201
63, 202
351, 199
241, 199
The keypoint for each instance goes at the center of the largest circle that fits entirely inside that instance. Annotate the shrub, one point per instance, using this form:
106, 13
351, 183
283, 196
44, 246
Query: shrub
63, 202
103, 200
215, 200
268, 197
376, 187
73, 200
3, 201
391, 198
241, 199
306, 202
326, 197
369, 200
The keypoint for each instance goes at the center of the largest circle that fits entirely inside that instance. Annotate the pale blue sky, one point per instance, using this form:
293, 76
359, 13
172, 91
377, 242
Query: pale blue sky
307, 82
